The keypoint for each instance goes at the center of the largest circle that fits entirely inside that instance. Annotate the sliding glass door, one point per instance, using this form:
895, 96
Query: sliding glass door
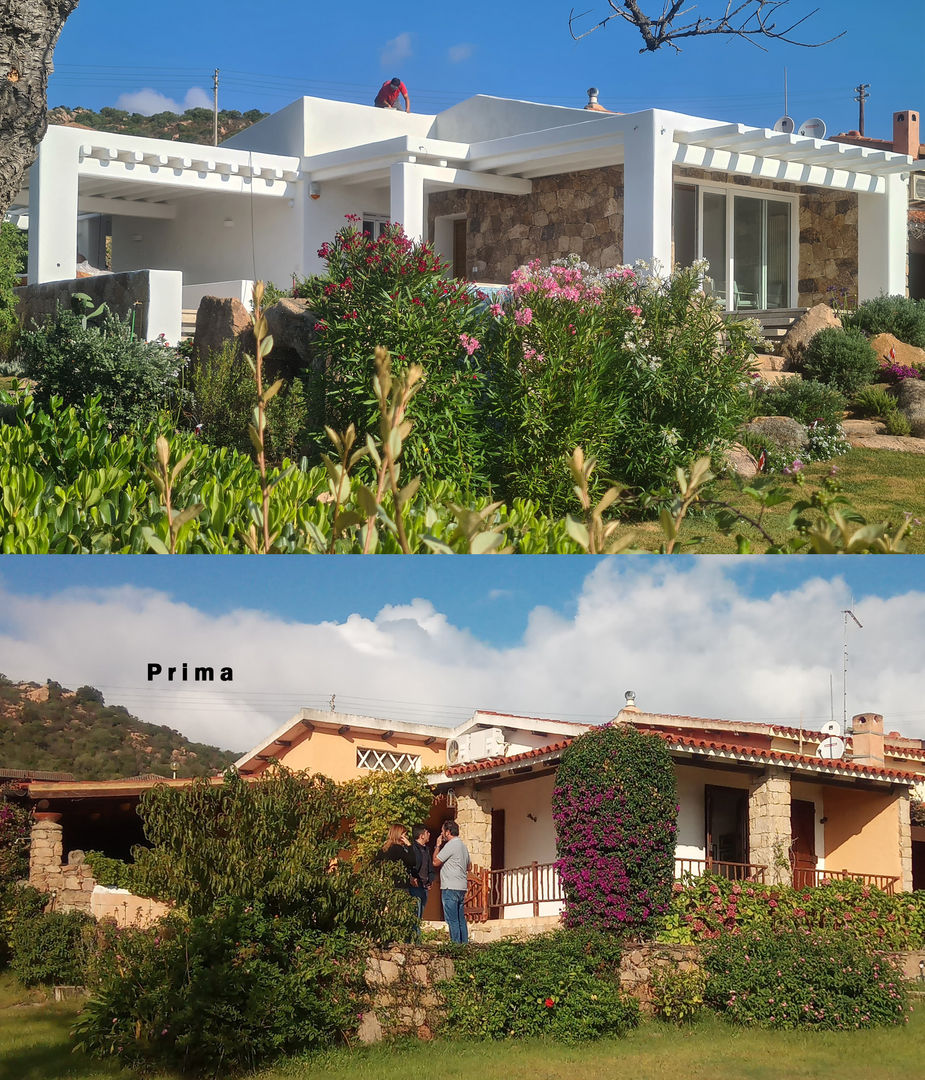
747, 240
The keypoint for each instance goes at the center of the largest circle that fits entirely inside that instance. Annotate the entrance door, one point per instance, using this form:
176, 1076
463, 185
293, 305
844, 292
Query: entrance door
495, 910
460, 267
803, 842
727, 829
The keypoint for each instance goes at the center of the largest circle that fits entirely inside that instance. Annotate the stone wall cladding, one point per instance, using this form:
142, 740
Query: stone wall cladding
473, 816
769, 825
72, 882
579, 212
905, 843
828, 255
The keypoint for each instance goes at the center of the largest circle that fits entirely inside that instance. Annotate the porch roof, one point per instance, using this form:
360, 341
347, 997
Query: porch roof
692, 747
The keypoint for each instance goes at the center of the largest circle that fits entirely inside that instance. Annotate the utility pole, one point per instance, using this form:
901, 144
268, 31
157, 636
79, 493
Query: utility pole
215, 108
862, 96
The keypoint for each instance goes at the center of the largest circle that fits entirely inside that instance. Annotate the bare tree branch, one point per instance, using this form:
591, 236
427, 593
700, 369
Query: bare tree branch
746, 19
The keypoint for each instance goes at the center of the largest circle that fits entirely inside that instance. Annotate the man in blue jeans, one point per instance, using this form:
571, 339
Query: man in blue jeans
452, 857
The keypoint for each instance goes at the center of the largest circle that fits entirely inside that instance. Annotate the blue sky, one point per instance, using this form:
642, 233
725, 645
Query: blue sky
272, 53
432, 639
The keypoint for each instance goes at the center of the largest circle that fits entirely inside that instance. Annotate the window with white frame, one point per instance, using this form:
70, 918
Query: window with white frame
387, 760
373, 225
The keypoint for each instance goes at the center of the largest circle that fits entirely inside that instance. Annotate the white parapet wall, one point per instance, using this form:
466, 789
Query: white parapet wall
237, 289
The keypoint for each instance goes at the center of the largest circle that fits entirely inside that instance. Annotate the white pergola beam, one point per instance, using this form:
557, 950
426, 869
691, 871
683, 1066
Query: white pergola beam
95, 204
475, 181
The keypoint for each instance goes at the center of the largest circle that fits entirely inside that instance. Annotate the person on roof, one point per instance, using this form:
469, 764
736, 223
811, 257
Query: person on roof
387, 97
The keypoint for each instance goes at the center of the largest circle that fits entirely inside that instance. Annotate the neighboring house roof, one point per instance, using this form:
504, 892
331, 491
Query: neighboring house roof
32, 774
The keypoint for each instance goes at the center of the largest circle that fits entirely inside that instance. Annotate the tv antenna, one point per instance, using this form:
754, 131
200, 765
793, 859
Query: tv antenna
847, 612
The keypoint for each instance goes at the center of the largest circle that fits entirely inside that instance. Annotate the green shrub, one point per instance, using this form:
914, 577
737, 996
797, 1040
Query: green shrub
72, 359
50, 949
17, 903
13, 254
113, 873
897, 423
805, 400
793, 979
840, 358
638, 371
678, 996
219, 995
565, 985
874, 401
897, 315
393, 292
223, 392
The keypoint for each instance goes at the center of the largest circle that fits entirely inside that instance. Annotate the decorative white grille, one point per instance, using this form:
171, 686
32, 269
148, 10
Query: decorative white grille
387, 761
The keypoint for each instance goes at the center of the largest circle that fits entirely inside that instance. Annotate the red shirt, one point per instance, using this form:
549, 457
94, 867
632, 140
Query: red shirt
388, 95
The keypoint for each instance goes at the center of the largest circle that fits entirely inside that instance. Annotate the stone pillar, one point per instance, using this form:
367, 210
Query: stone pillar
46, 853
905, 842
883, 240
53, 208
769, 833
473, 816
406, 198
647, 189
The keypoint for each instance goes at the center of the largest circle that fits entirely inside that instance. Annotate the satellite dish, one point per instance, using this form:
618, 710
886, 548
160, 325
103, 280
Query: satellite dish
452, 752
831, 727
813, 128
785, 124
831, 747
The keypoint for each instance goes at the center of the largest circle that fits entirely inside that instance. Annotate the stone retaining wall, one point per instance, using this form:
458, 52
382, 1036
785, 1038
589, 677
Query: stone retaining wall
406, 998
72, 882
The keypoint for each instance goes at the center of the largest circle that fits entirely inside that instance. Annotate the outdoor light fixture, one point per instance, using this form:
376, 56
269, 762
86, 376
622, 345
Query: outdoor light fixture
314, 190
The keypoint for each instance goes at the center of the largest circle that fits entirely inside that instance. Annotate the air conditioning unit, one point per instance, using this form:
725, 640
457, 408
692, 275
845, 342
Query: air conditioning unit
476, 745
918, 186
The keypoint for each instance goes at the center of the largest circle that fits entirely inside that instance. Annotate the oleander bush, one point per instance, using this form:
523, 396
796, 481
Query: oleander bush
50, 949
565, 985
841, 358
615, 809
639, 370
900, 316
802, 979
393, 292
220, 994
72, 358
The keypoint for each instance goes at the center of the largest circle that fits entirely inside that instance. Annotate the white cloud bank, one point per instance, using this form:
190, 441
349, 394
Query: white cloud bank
456, 54
148, 102
686, 637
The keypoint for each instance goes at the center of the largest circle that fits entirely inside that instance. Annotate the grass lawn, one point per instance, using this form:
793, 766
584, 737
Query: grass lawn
883, 485
34, 1045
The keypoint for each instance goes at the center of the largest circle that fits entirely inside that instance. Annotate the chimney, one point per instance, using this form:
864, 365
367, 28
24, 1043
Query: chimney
630, 696
867, 739
906, 132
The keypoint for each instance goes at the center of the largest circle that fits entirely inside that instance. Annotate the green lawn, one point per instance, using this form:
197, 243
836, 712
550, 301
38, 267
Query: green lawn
34, 1045
882, 484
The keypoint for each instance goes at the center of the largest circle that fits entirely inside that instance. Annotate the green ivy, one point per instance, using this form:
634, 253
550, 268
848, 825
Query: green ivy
377, 800
615, 809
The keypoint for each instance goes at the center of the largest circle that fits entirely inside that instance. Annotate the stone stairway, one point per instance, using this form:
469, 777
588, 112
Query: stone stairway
187, 323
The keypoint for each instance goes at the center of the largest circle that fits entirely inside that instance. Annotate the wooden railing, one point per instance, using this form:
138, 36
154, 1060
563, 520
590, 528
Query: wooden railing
491, 891
808, 879
734, 871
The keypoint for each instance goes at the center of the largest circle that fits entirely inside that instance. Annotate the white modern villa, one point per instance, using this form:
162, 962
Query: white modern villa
492, 183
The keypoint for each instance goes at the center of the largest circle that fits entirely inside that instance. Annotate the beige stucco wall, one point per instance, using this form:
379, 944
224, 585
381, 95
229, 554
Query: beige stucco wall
691, 836
336, 755
863, 831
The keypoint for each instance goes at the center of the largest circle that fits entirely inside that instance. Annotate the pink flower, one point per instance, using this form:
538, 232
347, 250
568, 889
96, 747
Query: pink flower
523, 317
496, 310
470, 344
634, 310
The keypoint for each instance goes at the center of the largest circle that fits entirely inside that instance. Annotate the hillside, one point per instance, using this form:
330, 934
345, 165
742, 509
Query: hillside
193, 126
51, 729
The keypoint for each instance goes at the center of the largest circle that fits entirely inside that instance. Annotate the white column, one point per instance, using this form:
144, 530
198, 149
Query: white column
53, 210
647, 189
406, 206
883, 240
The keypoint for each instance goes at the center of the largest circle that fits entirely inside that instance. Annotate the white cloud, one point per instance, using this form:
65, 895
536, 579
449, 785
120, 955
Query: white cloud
147, 101
458, 53
396, 50
686, 636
